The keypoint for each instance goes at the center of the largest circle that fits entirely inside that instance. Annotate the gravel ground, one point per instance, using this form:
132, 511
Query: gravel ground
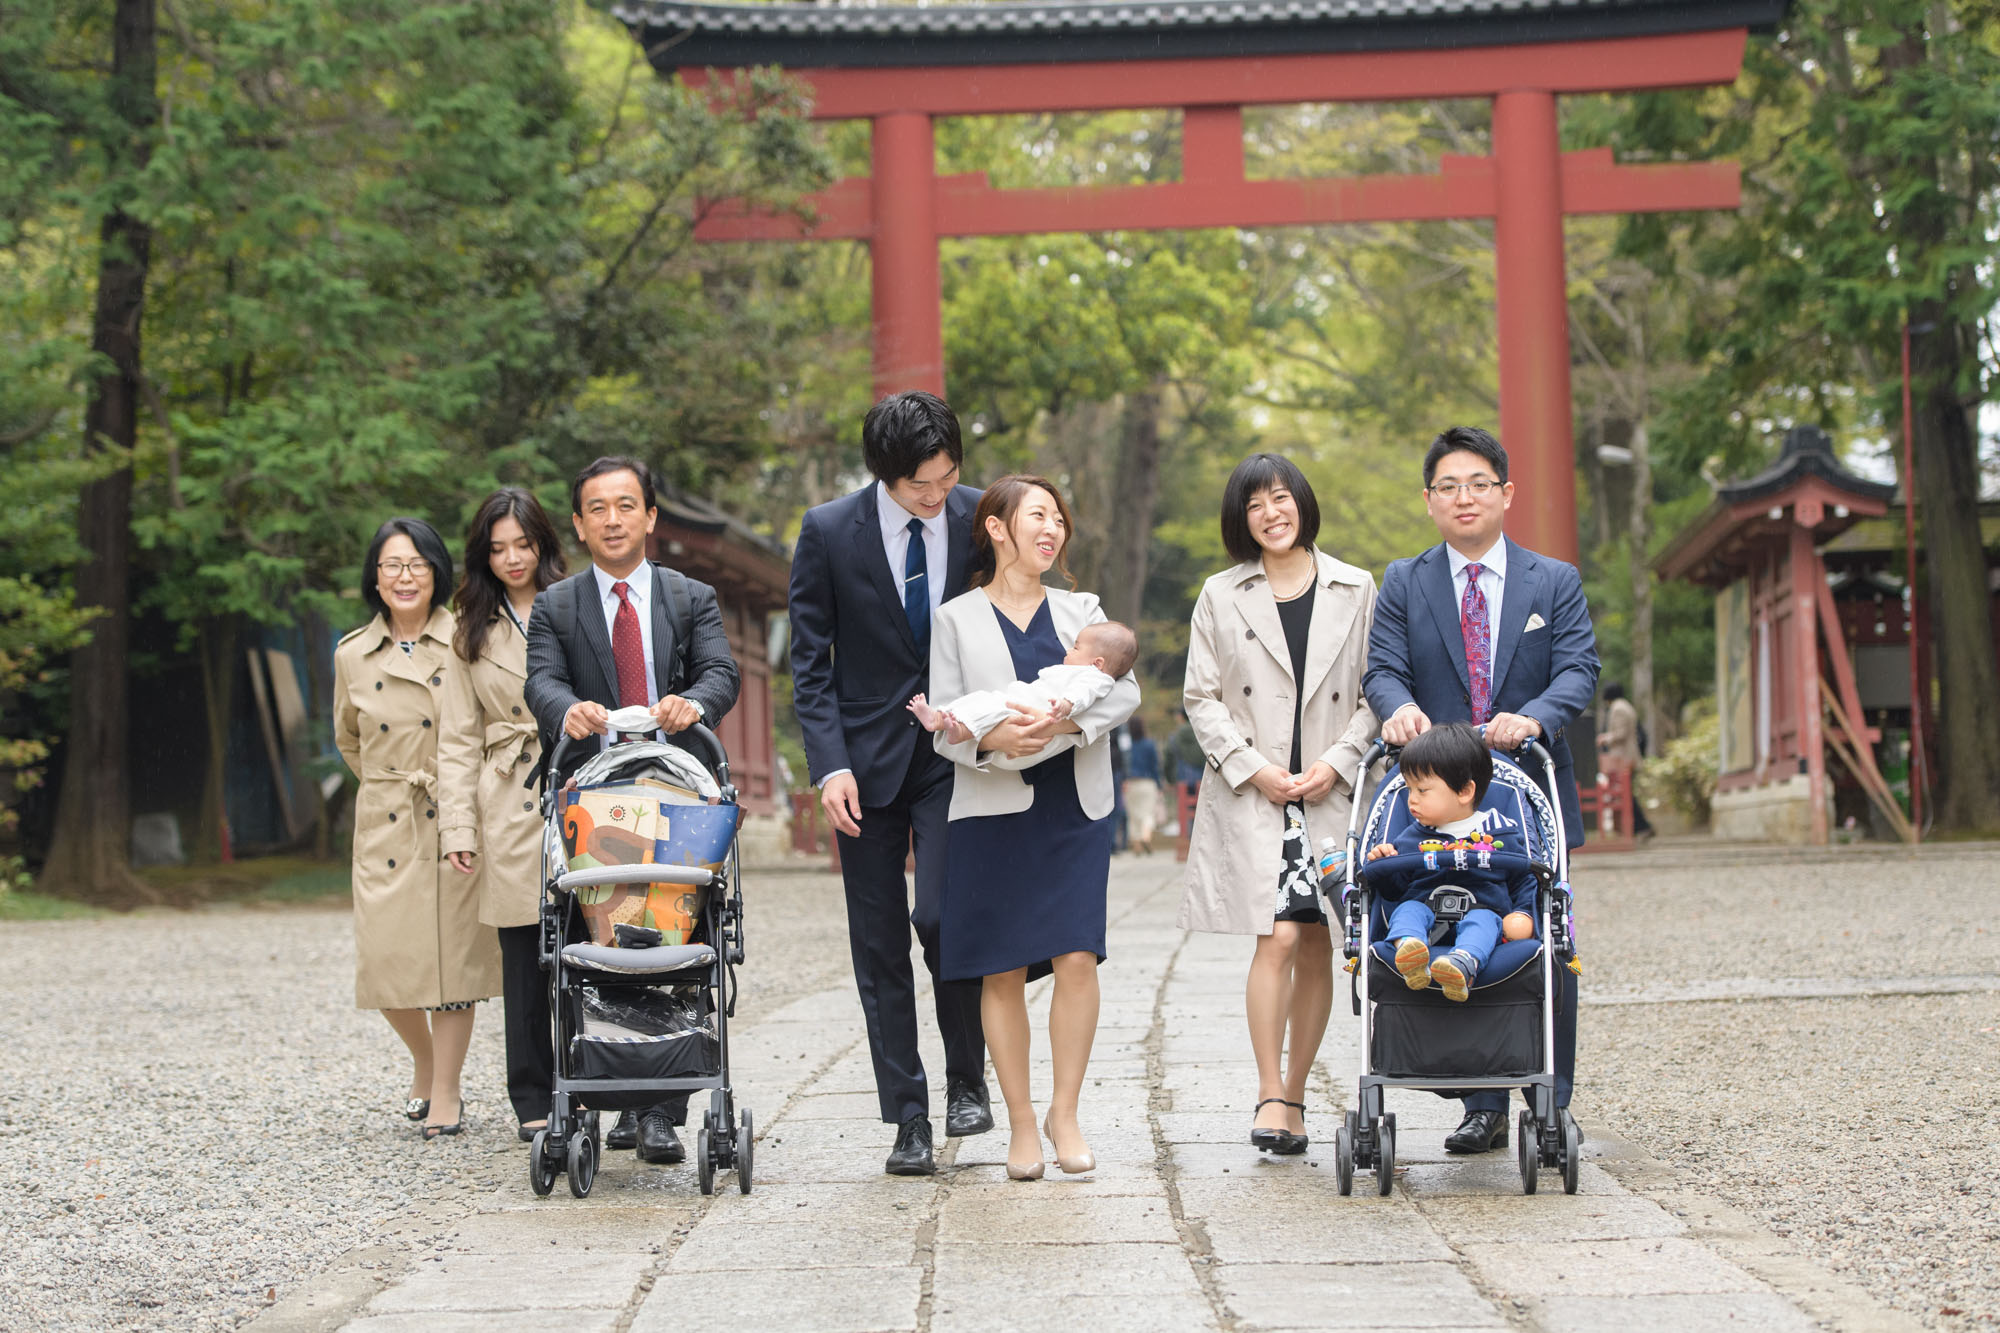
202, 1120
1863, 1129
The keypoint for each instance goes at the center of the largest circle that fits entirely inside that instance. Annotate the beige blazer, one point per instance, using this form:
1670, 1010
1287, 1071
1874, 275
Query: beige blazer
969, 652
417, 938
1239, 702
488, 749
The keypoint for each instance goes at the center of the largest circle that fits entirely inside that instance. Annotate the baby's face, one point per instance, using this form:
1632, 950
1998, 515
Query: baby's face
1434, 804
1084, 654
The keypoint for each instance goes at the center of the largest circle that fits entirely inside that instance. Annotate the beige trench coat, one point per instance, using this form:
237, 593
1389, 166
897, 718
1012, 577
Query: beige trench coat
489, 748
417, 938
1239, 702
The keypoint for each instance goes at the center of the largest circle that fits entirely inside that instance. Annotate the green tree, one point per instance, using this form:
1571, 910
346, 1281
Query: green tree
1867, 129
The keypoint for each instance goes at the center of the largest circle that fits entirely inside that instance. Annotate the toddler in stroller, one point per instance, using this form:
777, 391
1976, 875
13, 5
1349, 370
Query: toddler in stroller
1446, 772
1439, 873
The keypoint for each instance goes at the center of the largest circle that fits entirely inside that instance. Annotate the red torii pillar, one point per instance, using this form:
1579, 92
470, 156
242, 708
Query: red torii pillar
1527, 187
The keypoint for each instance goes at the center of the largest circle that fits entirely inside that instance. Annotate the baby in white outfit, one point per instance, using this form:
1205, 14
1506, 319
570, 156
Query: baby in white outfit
1103, 652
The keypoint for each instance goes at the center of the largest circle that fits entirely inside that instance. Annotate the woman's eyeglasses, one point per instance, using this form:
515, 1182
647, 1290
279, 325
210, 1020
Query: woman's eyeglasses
395, 569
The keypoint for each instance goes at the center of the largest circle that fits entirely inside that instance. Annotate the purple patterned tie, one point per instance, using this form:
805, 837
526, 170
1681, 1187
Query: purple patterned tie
1475, 624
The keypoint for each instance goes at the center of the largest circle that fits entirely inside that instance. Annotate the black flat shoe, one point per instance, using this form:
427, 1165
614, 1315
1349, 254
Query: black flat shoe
417, 1108
966, 1112
1480, 1131
912, 1154
1278, 1142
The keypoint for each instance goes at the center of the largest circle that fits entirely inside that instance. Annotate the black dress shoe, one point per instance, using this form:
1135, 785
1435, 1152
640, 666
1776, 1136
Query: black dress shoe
1480, 1131
912, 1154
966, 1111
624, 1134
658, 1144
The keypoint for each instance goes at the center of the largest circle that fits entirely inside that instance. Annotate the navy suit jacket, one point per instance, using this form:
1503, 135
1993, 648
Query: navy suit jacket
1416, 652
855, 662
569, 653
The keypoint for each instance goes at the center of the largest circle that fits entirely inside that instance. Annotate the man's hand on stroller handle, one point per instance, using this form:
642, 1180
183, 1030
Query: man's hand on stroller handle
1510, 731
585, 718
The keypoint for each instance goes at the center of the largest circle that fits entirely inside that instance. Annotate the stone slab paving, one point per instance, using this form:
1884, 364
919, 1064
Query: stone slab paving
1181, 1225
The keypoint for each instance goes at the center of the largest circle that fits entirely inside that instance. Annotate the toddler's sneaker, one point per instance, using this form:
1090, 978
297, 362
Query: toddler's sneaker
1454, 973
1413, 960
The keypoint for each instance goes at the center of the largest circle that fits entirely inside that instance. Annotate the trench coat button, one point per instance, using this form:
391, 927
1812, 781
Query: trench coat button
392, 816
1246, 691
385, 726
427, 723
523, 759
1336, 697
378, 684
392, 863
517, 710
1249, 633
437, 680
527, 805
430, 814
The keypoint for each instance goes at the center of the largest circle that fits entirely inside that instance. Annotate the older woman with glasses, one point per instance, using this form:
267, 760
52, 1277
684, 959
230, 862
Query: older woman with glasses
421, 955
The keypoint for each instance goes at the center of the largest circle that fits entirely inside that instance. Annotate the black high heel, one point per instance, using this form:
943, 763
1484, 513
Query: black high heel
455, 1127
1277, 1142
417, 1108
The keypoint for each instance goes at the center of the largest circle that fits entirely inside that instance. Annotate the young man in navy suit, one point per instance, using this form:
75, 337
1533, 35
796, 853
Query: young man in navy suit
868, 573
1479, 629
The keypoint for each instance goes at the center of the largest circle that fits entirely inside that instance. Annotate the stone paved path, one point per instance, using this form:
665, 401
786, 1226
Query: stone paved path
1181, 1226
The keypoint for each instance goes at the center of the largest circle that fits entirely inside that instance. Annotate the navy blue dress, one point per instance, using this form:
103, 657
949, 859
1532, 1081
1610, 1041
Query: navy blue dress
1023, 889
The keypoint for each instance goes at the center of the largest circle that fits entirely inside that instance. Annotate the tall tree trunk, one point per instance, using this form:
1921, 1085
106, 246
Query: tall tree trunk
90, 851
1136, 488
219, 638
1947, 466
1639, 540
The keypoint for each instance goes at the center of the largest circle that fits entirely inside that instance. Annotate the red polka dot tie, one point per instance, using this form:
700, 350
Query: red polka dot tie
1476, 625
628, 650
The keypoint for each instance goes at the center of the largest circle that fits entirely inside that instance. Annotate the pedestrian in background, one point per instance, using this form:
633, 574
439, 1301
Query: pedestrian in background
421, 955
1142, 787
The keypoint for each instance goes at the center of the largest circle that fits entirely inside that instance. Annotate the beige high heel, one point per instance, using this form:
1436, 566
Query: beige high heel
1071, 1166
1031, 1172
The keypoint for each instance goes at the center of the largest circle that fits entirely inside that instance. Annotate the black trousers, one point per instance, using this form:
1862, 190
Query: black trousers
879, 920
531, 1057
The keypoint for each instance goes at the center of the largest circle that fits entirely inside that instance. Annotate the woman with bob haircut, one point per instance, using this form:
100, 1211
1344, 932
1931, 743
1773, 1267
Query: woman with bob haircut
488, 824
1276, 651
1028, 856
421, 956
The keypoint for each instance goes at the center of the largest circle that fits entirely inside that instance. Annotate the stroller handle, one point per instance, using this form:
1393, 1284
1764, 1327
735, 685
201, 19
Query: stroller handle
1532, 747
707, 748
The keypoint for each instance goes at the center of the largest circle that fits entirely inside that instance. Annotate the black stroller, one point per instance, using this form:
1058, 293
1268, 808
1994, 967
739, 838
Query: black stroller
647, 1014
1503, 1035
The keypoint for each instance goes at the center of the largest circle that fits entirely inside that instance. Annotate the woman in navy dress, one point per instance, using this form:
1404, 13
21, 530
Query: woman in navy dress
1029, 850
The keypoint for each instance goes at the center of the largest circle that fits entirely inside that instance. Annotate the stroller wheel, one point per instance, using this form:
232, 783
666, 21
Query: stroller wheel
1343, 1159
1527, 1150
541, 1171
582, 1164
746, 1151
1385, 1155
1572, 1152
1356, 1139
704, 1153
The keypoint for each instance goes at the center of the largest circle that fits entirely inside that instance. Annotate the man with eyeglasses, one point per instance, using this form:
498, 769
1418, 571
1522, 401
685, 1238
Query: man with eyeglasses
868, 575
1480, 629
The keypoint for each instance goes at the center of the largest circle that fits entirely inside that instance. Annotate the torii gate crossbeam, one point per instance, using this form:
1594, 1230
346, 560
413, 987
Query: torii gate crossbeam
1527, 186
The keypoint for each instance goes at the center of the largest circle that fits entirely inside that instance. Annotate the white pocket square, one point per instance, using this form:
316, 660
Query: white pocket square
1535, 622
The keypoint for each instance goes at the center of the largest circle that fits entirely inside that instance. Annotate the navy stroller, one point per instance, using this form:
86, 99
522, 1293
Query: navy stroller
1503, 1034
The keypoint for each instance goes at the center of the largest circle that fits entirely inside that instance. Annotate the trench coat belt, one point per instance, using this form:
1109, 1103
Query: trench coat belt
422, 780
509, 736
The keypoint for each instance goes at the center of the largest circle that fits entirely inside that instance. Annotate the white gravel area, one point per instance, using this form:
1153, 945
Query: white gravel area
1865, 1130
200, 1119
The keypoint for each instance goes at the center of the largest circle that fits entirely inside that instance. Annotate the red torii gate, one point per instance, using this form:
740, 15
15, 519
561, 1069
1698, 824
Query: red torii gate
901, 67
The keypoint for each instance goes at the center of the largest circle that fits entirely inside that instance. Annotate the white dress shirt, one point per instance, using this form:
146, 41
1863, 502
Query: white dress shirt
1492, 582
896, 541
